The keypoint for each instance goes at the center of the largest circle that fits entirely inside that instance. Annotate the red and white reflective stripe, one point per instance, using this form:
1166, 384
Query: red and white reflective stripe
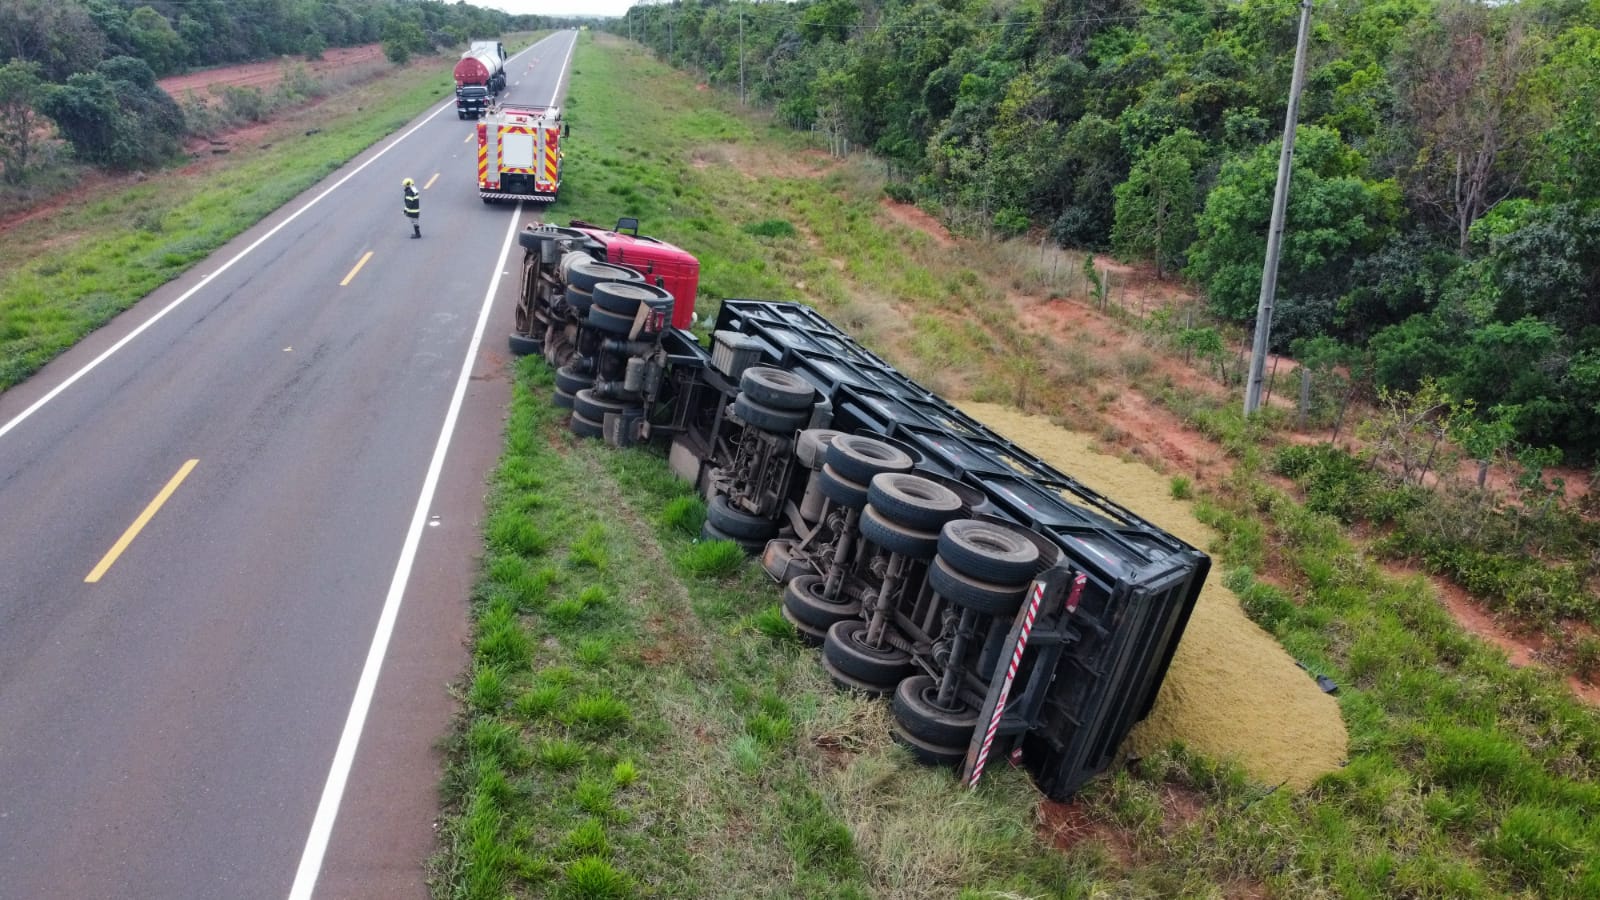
1011, 670
1005, 687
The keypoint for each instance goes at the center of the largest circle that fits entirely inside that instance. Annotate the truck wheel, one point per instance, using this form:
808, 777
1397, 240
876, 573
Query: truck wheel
847, 648
751, 546
586, 276
916, 708
776, 388
843, 491
522, 345
859, 458
609, 322
809, 635
584, 427
778, 421
913, 501
562, 399
970, 593
810, 445
804, 602
926, 753
579, 300
850, 682
897, 539
571, 382
593, 408
624, 297
738, 523
988, 552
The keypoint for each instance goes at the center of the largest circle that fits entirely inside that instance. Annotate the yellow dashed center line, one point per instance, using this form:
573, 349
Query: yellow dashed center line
364, 258
139, 523
431, 181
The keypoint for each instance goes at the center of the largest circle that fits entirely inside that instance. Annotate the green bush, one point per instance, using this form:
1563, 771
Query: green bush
245, 103
1011, 222
1335, 482
900, 192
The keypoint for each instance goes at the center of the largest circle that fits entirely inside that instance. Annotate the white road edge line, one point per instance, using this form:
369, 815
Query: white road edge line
207, 280
73, 378
305, 879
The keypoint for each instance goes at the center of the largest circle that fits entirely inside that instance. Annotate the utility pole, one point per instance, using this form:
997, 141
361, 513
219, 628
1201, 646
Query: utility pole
741, 56
1280, 203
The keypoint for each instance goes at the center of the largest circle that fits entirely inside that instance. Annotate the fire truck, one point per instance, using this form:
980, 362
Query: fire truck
519, 153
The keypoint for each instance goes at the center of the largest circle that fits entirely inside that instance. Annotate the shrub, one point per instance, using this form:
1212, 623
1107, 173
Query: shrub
900, 192
245, 103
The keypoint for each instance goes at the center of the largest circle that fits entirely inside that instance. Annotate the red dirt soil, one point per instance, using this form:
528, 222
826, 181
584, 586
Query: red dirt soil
264, 75
1159, 438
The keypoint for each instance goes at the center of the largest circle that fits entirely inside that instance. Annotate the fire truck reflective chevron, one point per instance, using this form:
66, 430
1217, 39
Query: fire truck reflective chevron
519, 154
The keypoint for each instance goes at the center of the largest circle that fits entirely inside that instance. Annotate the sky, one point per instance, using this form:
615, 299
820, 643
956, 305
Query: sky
560, 7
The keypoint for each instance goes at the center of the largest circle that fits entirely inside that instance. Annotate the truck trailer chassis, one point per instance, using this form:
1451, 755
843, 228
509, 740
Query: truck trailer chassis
1002, 606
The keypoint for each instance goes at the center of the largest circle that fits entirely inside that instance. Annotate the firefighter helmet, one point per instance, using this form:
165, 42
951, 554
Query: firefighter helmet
407, 183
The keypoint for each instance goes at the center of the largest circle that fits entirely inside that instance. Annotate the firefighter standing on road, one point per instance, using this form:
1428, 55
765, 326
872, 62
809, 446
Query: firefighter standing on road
413, 207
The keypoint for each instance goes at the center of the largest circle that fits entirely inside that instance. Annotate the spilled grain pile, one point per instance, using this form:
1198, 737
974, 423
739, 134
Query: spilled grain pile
1232, 691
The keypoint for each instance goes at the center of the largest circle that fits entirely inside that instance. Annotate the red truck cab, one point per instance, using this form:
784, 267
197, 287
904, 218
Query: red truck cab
663, 264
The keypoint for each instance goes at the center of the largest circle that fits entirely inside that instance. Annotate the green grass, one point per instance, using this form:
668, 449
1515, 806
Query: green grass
685, 739
65, 275
639, 720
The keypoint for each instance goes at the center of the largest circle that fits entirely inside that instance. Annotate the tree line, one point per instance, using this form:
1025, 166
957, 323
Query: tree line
90, 66
1444, 222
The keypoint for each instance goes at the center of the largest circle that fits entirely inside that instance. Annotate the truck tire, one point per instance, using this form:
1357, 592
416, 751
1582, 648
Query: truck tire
777, 388
522, 345
846, 647
805, 604
916, 708
810, 635
584, 427
988, 552
849, 682
926, 753
571, 382
738, 523
913, 501
810, 445
896, 538
595, 409
609, 322
624, 297
562, 399
585, 277
777, 421
843, 491
970, 593
859, 458
531, 237
751, 546
579, 300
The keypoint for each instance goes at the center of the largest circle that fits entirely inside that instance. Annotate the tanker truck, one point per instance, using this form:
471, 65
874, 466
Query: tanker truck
1005, 610
480, 74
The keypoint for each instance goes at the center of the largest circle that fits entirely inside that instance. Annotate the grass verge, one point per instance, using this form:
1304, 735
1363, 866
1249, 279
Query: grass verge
656, 731
66, 274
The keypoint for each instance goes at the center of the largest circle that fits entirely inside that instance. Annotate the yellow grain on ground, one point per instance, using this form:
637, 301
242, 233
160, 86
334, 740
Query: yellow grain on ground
1232, 691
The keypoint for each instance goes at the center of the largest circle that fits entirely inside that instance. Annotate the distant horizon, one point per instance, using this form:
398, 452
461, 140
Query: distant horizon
587, 9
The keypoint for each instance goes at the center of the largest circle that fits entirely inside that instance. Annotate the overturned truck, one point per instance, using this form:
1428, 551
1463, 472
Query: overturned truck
1001, 606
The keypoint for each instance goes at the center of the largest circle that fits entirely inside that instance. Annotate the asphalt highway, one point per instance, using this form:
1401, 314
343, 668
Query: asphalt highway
238, 529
